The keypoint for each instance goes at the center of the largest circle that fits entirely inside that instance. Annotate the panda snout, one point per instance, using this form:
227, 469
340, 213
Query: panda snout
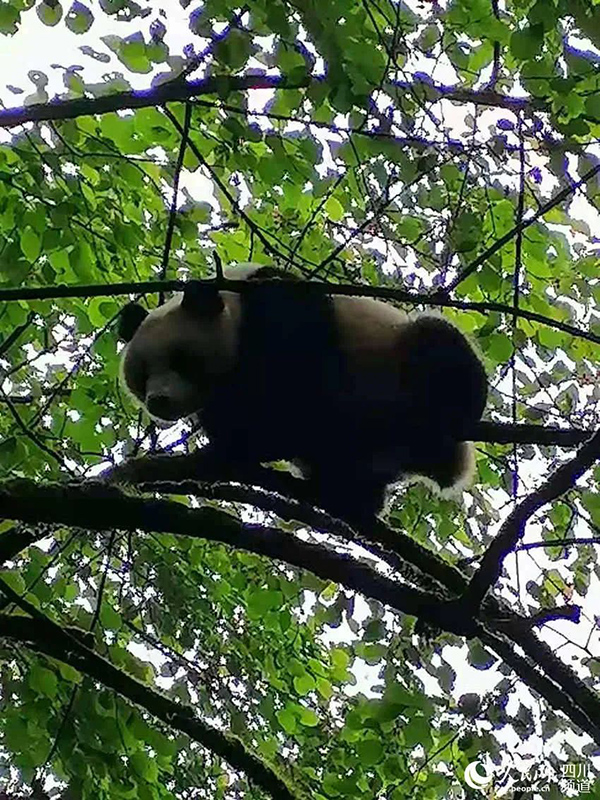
160, 405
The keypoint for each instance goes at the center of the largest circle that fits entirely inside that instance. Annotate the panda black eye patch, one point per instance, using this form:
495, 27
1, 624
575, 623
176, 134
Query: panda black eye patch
181, 362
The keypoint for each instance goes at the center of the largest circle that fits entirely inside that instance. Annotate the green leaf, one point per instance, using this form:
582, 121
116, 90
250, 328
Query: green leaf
370, 751
308, 718
31, 244
287, 720
144, 766
500, 347
324, 688
9, 17
418, 732
79, 18
374, 630
234, 50
50, 12
43, 681
132, 53
110, 618
466, 232
14, 580
69, 673
100, 311
304, 684
339, 658
334, 209
592, 106
526, 43
371, 653
261, 601
479, 657
60, 261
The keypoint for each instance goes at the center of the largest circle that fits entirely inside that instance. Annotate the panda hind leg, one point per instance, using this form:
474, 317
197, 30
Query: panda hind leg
450, 464
344, 491
444, 383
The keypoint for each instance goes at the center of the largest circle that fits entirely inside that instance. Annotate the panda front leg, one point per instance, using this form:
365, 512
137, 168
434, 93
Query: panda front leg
202, 464
209, 464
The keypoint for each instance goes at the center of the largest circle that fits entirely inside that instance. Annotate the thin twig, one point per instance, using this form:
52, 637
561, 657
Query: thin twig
513, 527
173, 212
507, 237
256, 230
352, 290
16, 333
31, 435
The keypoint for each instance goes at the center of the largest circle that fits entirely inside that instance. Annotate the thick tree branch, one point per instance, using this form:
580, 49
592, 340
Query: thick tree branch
585, 715
561, 688
45, 636
526, 433
94, 506
287, 508
221, 85
513, 527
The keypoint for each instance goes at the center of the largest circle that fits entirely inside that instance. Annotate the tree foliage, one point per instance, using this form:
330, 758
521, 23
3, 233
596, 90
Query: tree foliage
443, 154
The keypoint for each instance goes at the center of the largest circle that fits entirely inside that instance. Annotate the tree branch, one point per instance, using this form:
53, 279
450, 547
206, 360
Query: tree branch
585, 715
12, 337
170, 91
520, 226
351, 290
526, 433
45, 636
513, 527
568, 541
223, 85
185, 133
561, 687
95, 506
572, 696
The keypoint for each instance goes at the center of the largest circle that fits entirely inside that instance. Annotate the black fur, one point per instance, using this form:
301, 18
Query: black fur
130, 319
202, 299
290, 397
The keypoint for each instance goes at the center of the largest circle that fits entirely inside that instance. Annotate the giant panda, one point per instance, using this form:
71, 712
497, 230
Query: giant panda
356, 391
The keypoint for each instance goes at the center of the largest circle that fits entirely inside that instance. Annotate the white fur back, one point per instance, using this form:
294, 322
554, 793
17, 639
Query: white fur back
242, 271
368, 331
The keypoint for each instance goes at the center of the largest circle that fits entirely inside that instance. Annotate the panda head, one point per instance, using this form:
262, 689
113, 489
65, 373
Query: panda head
176, 354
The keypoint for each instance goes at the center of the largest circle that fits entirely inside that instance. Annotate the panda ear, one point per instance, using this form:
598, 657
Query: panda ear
130, 319
202, 298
